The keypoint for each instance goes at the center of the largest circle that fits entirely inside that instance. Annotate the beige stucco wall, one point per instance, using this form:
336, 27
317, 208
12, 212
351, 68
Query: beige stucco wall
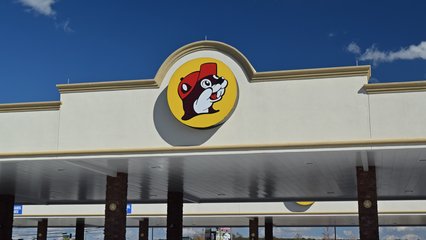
329, 109
273, 112
398, 115
29, 131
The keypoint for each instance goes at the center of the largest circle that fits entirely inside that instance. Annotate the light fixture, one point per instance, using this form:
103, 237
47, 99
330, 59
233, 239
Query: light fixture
367, 204
112, 207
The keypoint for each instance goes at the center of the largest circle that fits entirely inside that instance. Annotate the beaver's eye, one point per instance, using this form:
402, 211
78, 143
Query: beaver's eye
205, 83
185, 88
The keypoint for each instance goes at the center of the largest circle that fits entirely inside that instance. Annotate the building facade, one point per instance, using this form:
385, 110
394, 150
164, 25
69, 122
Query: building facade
209, 128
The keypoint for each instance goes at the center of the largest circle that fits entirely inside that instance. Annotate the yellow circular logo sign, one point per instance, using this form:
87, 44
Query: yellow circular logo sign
305, 203
202, 93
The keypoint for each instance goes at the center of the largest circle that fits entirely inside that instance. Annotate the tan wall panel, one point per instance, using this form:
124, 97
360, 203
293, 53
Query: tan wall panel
29, 131
398, 115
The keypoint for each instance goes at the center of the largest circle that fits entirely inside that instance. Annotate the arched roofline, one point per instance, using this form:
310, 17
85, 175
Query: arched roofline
252, 75
204, 46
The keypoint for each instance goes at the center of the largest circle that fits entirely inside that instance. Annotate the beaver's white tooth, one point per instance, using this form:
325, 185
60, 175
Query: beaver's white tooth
216, 87
215, 77
224, 84
220, 92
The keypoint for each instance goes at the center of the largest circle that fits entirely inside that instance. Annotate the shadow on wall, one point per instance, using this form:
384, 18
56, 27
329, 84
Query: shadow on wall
174, 132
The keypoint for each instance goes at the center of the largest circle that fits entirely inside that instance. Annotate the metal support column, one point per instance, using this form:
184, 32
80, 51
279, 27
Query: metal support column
269, 229
79, 229
254, 229
42, 229
174, 215
6, 216
115, 207
143, 229
367, 204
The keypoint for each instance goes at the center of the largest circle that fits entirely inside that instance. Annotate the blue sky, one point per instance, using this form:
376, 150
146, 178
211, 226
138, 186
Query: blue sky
45, 42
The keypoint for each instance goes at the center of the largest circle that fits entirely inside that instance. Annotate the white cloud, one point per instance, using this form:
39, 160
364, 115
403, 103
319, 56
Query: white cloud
43, 7
408, 53
411, 237
192, 231
405, 237
65, 26
348, 233
353, 48
289, 231
390, 237
403, 229
296, 229
331, 35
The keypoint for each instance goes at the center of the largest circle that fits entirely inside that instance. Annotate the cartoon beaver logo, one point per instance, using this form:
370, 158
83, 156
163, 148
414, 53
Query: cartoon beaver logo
199, 90
202, 92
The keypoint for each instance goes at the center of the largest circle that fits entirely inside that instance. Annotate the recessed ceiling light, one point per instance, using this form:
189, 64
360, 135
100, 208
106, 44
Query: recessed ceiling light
152, 195
309, 163
422, 160
409, 191
330, 192
221, 194
156, 167
60, 169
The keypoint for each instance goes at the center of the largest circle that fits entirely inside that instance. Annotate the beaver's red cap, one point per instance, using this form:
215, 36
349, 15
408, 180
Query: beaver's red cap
187, 83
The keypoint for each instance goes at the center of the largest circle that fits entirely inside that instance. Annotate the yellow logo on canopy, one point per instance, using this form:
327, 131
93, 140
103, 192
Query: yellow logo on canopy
305, 203
202, 93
